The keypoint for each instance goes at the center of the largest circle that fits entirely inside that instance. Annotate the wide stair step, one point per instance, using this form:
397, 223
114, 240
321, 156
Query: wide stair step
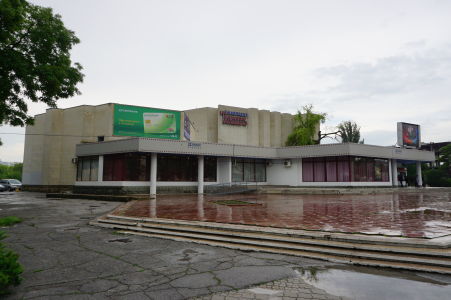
393, 252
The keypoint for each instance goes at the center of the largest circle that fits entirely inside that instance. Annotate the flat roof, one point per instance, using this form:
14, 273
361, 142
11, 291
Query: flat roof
232, 150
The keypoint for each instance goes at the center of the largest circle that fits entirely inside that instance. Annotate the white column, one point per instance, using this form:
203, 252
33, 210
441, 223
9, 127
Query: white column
229, 170
394, 172
100, 169
200, 174
153, 175
419, 176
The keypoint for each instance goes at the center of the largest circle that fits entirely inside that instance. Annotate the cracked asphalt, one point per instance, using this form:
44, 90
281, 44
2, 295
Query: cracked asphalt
65, 258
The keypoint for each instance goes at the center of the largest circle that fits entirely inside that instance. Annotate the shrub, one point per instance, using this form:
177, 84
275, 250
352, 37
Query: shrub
10, 269
437, 177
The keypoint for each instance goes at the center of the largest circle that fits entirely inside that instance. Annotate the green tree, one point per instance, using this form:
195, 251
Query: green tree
349, 132
445, 156
35, 61
305, 130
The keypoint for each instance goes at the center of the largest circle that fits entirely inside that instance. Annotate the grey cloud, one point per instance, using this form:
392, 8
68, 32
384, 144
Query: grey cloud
389, 75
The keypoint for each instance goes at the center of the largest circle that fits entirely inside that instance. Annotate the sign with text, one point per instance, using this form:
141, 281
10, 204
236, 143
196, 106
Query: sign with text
233, 118
408, 135
146, 122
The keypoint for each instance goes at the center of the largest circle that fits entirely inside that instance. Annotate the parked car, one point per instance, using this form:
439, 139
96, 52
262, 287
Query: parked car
11, 184
3, 188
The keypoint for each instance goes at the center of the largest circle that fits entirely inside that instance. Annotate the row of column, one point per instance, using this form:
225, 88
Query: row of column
394, 173
153, 175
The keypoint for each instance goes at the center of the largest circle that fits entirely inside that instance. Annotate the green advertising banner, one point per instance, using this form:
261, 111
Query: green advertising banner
146, 122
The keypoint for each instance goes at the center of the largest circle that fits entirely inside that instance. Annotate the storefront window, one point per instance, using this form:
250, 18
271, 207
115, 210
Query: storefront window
126, 167
210, 168
344, 169
87, 168
248, 170
177, 168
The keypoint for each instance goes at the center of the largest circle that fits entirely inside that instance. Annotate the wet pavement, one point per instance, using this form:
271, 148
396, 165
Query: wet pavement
65, 258
347, 283
424, 214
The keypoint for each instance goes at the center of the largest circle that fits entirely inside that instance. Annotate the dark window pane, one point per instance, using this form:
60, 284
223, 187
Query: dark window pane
343, 170
319, 170
237, 171
260, 172
94, 168
79, 168
210, 169
85, 173
331, 169
307, 170
370, 169
177, 168
108, 167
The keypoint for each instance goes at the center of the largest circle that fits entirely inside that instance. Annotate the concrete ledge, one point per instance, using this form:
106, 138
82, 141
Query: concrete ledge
116, 198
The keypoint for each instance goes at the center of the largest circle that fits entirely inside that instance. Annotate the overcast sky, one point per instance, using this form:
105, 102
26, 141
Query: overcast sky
375, 62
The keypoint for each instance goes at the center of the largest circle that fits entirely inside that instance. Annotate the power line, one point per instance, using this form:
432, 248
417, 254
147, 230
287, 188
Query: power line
46, 134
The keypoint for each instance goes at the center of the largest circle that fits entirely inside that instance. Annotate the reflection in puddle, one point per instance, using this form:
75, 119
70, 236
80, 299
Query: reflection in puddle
372, 283
423, 214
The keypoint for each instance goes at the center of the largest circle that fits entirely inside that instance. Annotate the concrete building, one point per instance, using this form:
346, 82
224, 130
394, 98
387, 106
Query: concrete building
114, 148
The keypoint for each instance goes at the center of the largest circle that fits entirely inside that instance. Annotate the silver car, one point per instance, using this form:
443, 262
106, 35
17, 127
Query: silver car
11, 184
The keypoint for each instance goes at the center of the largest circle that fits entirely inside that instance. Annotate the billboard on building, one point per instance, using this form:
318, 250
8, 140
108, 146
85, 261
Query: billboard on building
146, 122
408, 135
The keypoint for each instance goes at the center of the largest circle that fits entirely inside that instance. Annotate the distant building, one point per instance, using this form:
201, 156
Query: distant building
118, 148
435, 147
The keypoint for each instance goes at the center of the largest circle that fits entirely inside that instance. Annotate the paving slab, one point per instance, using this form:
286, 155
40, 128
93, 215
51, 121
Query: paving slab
65, 258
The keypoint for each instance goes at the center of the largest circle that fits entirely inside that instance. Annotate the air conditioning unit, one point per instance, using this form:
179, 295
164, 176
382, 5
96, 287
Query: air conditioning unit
75, 160
287, 163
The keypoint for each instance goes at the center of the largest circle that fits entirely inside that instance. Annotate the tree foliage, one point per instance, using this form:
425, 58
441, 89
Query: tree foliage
11, 172
35, 61
349, 132
440, 175
445, 156
305, 130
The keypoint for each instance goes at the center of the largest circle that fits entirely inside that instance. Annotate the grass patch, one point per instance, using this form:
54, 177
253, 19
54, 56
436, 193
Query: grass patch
10, 220
10, 269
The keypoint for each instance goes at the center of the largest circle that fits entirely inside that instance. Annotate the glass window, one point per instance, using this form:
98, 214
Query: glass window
331, 169
360, 169
248, 170
87, 168
307, 170
210, 169
177, 168
343, 169
237, 171
126, 167
94, 169
319, 170
260, 172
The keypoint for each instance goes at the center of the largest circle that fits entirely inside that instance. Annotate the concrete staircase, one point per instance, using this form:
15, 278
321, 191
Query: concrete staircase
430, 255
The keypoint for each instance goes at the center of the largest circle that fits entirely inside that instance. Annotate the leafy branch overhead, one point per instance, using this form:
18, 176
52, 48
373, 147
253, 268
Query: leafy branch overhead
35, 60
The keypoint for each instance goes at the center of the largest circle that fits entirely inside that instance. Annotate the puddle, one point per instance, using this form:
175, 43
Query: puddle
376, 284
120, 240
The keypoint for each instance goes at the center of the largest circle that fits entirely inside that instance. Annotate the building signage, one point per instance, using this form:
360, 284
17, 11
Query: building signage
146, 122
408, 135
233, 118
187, 128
